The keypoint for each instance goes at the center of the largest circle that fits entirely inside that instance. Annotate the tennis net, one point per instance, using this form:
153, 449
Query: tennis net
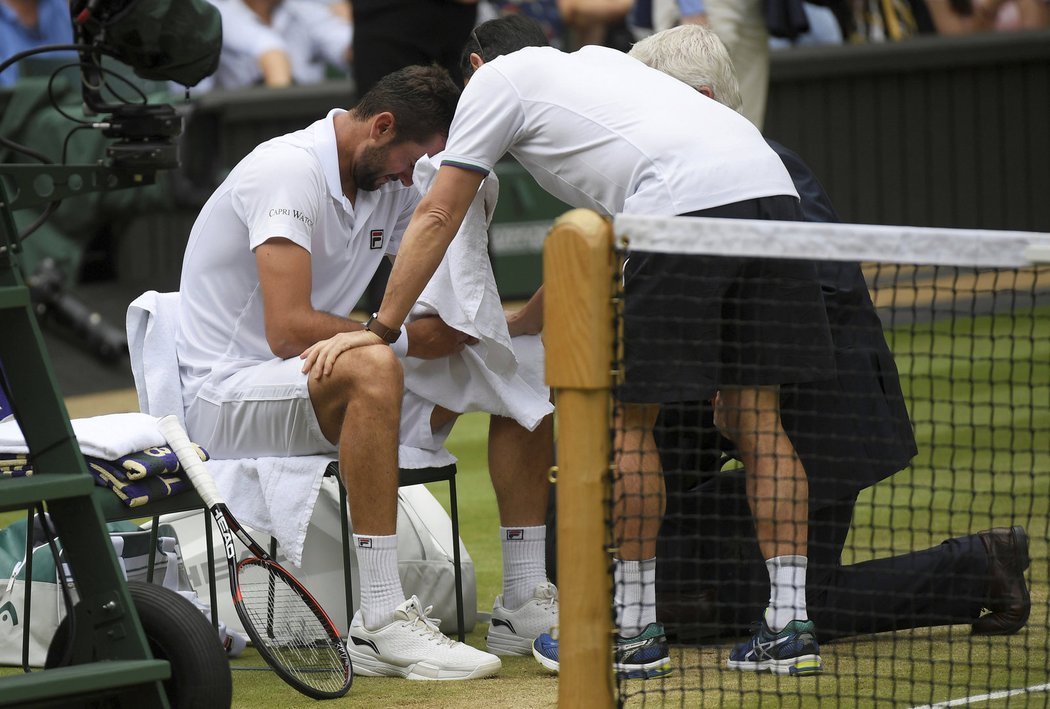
820, 456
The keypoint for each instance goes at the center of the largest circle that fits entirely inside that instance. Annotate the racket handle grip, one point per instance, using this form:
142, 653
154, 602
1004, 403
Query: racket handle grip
176, 437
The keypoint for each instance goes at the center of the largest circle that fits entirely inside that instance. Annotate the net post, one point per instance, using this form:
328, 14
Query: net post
578, 267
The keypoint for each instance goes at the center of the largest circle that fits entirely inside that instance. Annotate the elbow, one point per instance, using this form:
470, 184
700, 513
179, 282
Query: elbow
284, 348
283, 342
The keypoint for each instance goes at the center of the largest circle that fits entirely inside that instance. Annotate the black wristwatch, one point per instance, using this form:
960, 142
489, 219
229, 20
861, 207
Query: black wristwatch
378, 328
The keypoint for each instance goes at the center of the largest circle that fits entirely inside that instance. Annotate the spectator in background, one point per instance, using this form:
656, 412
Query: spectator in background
25, 24
741, 25
824, 28
966, 16
544, 12
592, 21
878, 21
278, 43
392, 34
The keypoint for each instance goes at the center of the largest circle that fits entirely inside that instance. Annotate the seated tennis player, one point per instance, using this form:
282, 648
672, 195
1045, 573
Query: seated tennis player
599, 130
280, 254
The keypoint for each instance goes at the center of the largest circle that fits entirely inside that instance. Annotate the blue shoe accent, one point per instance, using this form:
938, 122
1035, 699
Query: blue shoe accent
792, 651
641, 657
644, 656
545, 650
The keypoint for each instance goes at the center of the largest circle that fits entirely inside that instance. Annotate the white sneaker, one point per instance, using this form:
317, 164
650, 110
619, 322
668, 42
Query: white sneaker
512, 632
411, 646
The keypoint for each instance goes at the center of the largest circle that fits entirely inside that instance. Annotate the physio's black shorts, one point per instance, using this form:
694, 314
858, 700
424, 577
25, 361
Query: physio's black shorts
694, 324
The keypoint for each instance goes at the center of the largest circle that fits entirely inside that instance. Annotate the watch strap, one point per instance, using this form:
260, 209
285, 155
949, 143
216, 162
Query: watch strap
388, 335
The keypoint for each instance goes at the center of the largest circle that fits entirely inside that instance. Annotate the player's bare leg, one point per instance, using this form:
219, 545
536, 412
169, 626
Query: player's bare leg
778, 493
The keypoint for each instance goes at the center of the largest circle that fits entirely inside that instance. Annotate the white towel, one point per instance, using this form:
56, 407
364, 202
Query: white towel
273, 495
107, 437
151, 322
462, 292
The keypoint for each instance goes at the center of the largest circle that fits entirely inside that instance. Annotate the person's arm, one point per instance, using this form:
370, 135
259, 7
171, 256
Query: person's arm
529, 319
434, 224
276, 68
291, 322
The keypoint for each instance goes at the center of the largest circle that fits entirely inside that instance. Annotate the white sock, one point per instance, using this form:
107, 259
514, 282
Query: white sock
787, 591
634, 595
381, 591
524, 563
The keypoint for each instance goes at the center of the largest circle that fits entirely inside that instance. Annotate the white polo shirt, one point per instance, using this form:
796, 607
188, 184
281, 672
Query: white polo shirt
287, 187
599, 129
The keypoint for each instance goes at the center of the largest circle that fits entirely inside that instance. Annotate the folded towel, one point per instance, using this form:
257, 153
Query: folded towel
136, 479
148, 463
15, 466
108, 437
136, 493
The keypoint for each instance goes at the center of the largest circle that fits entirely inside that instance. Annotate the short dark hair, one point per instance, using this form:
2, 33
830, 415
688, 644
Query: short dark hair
501, 36
422, 98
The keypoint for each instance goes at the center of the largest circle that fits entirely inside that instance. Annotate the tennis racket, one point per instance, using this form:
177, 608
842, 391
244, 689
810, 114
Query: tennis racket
285, 623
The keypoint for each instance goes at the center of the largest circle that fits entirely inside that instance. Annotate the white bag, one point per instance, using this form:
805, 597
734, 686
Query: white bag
424, 558
131, 545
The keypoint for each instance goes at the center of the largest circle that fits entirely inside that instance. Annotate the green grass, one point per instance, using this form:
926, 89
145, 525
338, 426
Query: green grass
980, 393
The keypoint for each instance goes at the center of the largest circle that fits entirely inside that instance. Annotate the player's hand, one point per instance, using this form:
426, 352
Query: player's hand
319, 358
527, 321
431, 338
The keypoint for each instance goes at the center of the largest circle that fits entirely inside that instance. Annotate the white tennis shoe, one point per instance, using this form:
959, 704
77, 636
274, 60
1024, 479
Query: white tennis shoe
512, 632
411, 646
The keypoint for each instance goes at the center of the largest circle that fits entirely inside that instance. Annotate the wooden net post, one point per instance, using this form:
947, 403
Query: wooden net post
578, 268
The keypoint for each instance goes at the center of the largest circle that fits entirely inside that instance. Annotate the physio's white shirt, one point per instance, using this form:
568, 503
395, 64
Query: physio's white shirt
599, 129
287, 187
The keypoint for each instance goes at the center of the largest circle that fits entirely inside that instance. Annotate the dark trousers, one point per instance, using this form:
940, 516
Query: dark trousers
712, 581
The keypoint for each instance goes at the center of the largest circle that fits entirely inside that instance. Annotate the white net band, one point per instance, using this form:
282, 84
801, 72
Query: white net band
976, 248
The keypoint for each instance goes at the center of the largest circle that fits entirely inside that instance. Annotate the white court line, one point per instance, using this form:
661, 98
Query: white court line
987, 697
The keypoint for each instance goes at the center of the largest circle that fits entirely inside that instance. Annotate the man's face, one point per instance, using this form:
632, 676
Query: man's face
380, 164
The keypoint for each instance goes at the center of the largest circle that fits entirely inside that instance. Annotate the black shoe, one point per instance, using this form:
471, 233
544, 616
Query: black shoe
1009, 602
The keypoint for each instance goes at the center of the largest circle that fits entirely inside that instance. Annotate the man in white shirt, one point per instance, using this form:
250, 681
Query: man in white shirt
278, 43
279, 255
599, 130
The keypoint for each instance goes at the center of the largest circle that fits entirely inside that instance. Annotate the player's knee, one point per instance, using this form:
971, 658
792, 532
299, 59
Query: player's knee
371, 372
744, 413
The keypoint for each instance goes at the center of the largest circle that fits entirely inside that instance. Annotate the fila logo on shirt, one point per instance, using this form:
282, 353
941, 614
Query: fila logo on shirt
365, 542
376, 241
515, 535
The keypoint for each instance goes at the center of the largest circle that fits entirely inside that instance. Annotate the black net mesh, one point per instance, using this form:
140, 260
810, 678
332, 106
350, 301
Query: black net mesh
882, 432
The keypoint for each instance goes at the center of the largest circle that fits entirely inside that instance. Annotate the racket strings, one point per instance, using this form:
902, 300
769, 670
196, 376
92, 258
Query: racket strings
288, 628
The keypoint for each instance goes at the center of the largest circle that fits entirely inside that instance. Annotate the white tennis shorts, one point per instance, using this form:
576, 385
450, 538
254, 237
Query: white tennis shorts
265, 411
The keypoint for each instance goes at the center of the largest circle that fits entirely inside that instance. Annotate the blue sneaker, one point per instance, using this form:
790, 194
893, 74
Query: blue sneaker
545, 650
792, 651
641, 657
